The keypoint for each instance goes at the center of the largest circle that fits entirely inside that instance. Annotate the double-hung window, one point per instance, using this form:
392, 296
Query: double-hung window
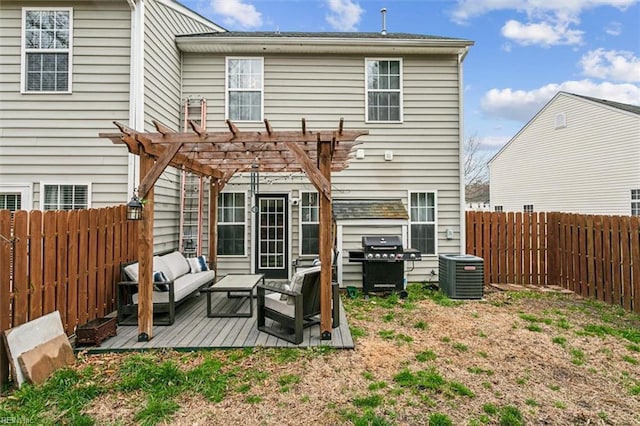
231, 224
46, 48
384, 90
423, 221
65, 197
309, 223
244, 89
635, 202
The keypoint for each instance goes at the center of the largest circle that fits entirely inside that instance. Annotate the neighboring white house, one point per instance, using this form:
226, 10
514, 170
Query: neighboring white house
577, 154
135, 61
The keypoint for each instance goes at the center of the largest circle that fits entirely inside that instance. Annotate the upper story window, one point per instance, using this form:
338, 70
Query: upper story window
384, 90
635, 202
244, 89
309, 223
46, 50
65, 197
422, 215
231, 224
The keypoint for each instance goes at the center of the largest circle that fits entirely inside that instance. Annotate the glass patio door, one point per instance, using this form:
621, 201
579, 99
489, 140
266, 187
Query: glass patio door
272, 236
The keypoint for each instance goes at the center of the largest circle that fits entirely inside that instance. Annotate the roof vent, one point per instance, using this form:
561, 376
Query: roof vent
383, 11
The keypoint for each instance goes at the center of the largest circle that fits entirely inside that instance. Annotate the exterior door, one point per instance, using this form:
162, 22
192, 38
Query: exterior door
272, 236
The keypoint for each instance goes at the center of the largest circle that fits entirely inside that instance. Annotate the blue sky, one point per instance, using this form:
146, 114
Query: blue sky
525, 50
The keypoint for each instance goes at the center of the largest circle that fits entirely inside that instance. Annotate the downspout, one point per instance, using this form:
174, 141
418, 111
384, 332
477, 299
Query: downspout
463, 204
136, 86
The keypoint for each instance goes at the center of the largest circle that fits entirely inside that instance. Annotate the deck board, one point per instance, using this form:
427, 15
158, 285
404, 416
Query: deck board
193, 330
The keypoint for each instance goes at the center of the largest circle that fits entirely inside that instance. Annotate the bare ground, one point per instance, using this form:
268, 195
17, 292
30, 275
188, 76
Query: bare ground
526, 352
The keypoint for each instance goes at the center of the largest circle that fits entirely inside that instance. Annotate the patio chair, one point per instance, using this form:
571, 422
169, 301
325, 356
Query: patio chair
293, 307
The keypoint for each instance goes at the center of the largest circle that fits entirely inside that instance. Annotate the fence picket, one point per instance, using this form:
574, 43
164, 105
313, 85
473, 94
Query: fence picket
634, 228
625, 264
35, 264
606, 259
62, 219
72, 271
50, 261
21, 267
83, 271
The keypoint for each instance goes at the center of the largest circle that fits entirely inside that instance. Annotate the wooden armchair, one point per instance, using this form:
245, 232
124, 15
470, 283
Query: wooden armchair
293, 308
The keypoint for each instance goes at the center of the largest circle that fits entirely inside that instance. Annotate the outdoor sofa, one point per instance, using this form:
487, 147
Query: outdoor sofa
175, 279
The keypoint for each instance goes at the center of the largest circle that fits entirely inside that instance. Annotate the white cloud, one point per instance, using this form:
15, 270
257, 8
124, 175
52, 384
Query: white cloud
237, 12
549, 22
543, 33
615, 65
345, 15
522, 105
613, 29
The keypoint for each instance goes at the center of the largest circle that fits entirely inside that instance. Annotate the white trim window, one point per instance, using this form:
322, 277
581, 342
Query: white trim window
422, 217
635, 202
47, 42
384, 90
65, 197
232, 224
309, 223
244, 82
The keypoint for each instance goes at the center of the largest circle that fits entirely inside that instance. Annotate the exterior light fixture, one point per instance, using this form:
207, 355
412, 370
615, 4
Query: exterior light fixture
134, 208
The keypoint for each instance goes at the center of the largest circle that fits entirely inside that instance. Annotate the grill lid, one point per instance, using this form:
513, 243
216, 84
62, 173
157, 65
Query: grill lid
382, 242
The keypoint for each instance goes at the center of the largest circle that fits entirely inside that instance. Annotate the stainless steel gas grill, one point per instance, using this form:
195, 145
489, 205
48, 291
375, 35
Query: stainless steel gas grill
383, 263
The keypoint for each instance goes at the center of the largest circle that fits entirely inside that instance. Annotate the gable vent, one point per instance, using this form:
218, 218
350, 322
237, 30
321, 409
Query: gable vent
561, 121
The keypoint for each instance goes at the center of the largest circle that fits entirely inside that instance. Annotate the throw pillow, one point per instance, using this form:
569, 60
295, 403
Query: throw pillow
159, 281
198, 264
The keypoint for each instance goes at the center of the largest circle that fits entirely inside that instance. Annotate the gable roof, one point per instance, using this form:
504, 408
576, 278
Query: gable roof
625, 107
612, 104
176, 5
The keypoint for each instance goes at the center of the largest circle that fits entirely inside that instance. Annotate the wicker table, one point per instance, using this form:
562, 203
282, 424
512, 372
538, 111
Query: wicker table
234, 283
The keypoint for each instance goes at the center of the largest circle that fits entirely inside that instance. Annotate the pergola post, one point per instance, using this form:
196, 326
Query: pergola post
213, 223
326, 300
145, 257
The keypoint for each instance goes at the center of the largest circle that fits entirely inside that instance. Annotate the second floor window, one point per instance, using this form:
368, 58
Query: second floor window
65, 197
231, 224
244, 89
309, 223
384, 89
47, 38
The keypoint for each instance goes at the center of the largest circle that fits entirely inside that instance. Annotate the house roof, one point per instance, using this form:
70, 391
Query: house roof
634, 109
261, 42
625, 107
369, 209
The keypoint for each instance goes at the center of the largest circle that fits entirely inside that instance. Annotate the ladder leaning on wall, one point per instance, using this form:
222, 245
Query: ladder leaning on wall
192, 188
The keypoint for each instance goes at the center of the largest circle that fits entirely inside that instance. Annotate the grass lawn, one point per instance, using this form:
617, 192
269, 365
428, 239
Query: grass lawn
511, 359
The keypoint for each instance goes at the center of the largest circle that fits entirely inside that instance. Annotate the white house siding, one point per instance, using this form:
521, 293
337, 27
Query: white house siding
324, 89
163, 103
588, 167
53, 138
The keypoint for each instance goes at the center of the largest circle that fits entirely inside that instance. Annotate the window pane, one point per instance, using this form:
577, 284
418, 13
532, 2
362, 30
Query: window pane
423, 238
310, 239
230, 239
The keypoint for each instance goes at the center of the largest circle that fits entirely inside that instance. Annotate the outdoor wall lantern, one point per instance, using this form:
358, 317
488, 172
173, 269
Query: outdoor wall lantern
134, 208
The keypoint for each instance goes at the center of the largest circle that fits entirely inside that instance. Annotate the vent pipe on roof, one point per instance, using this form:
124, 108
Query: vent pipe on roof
384, 20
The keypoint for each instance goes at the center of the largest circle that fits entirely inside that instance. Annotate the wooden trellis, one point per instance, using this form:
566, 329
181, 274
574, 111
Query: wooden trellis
220, 155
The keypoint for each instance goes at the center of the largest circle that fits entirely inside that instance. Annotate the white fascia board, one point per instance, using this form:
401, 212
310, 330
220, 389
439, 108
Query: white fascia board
315, 45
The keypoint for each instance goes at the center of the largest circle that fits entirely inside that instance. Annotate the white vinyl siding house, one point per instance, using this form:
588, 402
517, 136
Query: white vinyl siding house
422, 150
577, 154
52, 135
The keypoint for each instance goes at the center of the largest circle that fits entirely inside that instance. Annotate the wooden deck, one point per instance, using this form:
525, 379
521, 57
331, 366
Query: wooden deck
193, 330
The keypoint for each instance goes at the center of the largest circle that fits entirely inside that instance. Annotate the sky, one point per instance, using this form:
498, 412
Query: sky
525, 50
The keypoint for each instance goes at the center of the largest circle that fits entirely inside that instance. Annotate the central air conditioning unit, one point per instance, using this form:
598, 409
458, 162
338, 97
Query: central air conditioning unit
461, 276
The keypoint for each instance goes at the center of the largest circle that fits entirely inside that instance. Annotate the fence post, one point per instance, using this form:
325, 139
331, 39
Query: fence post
6, 251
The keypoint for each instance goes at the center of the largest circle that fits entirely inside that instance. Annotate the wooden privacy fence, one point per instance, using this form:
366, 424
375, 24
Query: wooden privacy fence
62, 260
594, 256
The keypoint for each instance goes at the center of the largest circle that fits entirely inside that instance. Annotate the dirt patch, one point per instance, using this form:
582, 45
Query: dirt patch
531, 353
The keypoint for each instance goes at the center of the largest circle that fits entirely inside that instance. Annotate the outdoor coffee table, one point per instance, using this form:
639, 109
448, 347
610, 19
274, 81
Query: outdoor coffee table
234, 283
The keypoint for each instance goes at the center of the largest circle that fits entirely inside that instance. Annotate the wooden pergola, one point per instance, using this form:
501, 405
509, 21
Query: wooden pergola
220, 155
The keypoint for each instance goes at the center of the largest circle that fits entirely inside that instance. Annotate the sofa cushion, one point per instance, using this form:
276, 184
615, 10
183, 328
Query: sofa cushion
272, 301
132, 270
183, 287
298, 278
176, 263
198, 264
